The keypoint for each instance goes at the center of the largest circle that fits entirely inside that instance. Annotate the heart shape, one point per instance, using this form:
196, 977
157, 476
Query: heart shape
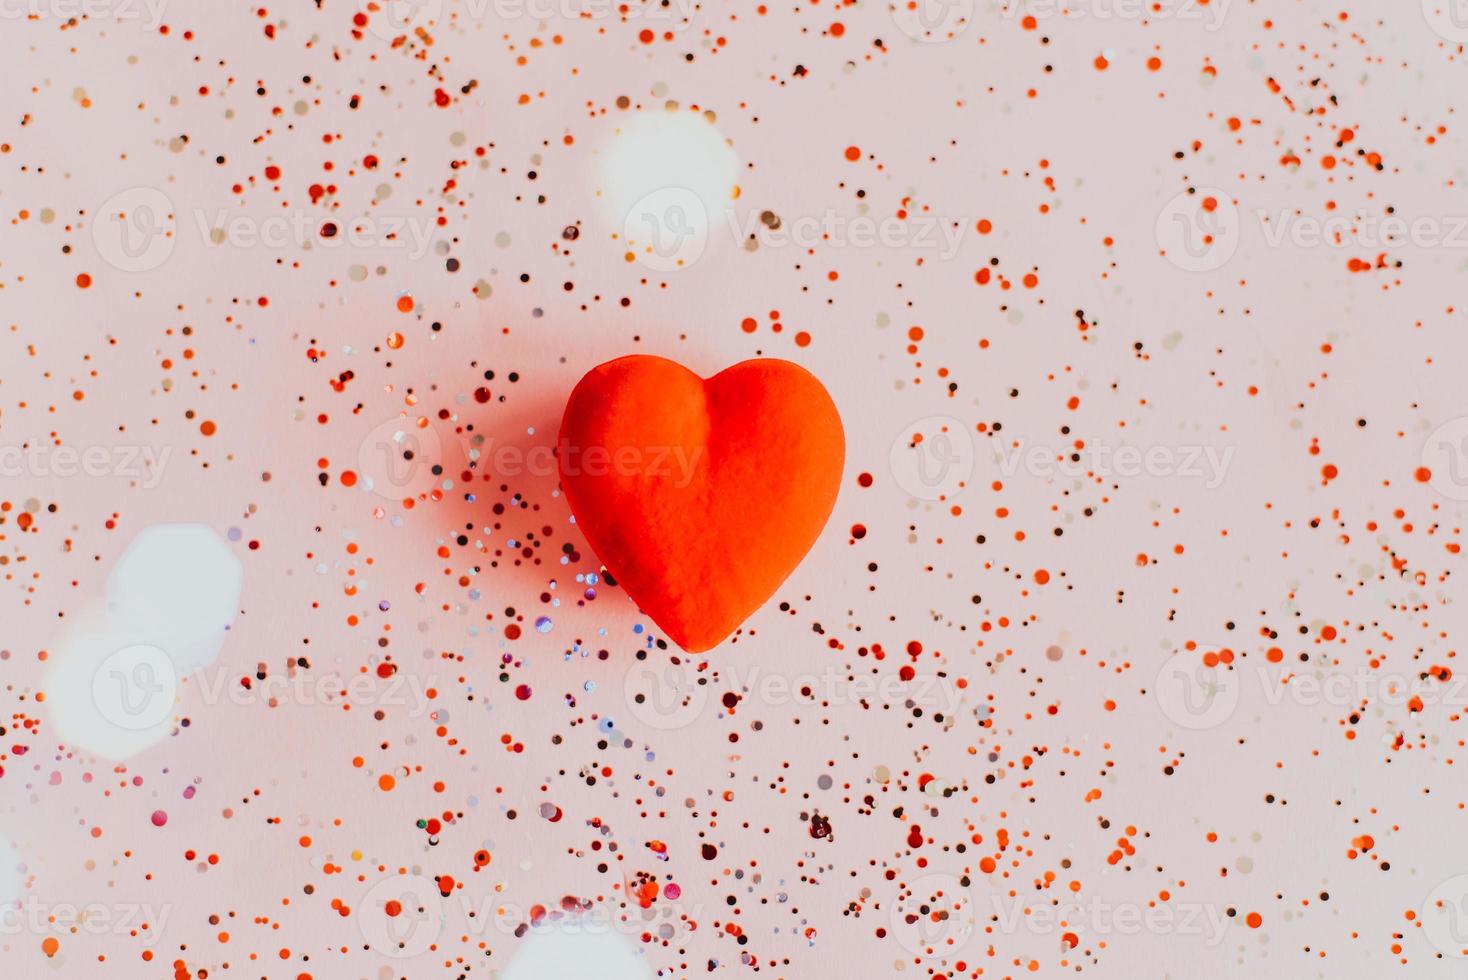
700, 496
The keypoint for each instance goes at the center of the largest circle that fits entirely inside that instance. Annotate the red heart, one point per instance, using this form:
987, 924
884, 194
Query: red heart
700, 496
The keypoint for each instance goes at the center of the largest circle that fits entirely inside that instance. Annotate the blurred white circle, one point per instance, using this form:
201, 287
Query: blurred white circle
1194, 695
401, 916
1199, 232
134, 230
933, 458
136, 687
566, 950
667, 179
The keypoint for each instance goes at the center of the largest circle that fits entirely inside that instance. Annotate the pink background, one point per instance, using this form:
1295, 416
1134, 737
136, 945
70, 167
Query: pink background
1057, 732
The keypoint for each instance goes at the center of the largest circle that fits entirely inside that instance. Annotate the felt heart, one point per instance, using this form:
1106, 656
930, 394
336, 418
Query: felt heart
700, 496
